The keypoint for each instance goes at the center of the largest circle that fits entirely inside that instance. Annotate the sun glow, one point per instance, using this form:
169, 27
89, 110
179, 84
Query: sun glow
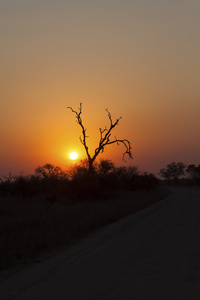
73, 155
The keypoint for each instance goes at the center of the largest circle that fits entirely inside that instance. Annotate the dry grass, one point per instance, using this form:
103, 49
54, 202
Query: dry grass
28, 229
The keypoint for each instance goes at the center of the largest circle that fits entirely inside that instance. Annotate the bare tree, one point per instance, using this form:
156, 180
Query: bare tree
104, 140
7, 179
48, 171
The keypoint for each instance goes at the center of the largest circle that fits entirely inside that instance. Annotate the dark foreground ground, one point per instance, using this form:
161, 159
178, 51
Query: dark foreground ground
153, 254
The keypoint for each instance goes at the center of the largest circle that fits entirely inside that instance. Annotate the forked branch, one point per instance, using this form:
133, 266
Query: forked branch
7, 179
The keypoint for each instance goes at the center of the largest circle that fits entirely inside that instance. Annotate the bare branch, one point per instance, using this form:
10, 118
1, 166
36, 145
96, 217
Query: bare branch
7, 179
127, 144
105, 140
79, 121
110, 118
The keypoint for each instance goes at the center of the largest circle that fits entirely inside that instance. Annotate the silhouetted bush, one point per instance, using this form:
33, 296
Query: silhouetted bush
88, 186
193, 173
49, 181
26, 187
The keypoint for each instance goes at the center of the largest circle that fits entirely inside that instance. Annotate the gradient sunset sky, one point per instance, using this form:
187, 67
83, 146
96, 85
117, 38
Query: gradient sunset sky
138, 58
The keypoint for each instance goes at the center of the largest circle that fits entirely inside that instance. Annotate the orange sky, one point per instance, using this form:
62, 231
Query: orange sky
140, 59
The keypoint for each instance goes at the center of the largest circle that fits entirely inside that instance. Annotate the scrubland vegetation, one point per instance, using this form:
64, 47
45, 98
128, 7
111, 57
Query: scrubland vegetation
53, 208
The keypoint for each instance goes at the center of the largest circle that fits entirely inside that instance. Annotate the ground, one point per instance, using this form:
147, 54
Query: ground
153, 254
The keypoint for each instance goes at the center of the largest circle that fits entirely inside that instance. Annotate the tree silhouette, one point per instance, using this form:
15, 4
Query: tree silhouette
48, 171
105, 138
173, 171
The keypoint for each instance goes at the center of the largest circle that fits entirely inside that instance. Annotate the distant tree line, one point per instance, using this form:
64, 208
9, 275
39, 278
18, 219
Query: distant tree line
180, 173
105, 182
78, 183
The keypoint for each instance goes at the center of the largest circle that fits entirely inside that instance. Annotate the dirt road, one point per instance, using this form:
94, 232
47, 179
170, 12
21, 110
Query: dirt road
154, 254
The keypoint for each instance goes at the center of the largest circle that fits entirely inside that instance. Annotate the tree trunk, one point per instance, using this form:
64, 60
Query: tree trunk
90, 167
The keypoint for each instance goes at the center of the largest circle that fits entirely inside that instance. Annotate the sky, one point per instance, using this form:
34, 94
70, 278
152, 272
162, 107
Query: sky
137, 58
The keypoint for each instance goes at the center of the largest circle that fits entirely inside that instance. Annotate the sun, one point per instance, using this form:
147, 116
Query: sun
73, 155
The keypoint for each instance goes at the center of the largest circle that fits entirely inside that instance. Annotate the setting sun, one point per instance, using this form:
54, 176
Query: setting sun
73, 155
